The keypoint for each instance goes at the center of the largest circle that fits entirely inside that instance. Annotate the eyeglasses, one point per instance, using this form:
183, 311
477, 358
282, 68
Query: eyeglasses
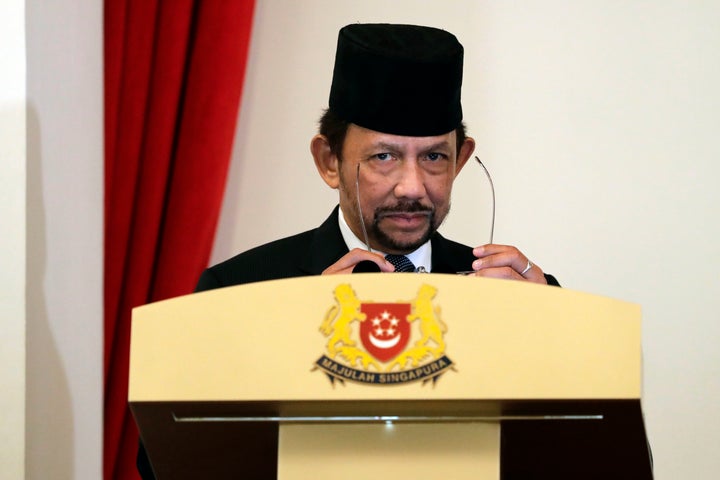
362, 218
492, 221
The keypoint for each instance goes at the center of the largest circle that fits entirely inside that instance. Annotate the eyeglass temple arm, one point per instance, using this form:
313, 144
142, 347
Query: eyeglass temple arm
492, 189
362, 219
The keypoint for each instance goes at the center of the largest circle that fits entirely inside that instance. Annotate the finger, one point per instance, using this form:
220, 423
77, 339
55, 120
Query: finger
492, 249
499, 256
534, 274
511, 274
493, 256
506, 273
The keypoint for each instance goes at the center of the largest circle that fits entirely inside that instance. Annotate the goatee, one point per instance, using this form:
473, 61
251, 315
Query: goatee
389, 243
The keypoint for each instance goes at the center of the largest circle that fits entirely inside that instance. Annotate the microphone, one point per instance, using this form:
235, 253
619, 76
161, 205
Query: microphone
366, 266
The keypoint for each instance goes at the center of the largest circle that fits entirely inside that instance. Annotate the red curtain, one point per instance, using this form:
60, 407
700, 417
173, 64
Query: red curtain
173, 80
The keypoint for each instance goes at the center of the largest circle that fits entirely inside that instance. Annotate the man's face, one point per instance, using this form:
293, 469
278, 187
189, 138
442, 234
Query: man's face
405, 185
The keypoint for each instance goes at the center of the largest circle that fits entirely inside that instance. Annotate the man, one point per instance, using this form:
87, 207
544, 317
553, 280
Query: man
393, 127
391, 142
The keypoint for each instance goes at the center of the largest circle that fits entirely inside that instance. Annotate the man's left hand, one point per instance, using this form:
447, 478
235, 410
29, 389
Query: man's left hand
505, 261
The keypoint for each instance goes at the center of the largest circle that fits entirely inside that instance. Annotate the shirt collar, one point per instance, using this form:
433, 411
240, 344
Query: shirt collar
420, 257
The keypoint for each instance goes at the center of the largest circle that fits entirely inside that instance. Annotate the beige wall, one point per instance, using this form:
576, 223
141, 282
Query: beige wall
64, 240
12, 239
598, 121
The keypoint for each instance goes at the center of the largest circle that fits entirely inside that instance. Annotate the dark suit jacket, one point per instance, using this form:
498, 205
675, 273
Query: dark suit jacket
304, 254
311, 252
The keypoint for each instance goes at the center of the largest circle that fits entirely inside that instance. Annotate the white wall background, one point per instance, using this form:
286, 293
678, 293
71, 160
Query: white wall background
599, 122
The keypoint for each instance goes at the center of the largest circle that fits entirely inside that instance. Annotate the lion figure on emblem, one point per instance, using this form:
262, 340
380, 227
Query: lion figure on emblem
432, 327
339, 317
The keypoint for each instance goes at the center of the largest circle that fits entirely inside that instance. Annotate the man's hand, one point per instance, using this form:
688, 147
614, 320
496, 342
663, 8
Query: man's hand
503, 261
348, 261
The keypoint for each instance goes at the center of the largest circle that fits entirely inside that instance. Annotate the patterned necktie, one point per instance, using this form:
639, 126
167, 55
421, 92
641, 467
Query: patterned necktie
401, 262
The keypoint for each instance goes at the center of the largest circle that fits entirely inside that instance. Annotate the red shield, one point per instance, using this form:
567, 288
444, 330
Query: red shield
386, 331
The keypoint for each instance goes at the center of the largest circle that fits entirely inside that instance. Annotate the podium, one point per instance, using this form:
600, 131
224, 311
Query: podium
380, 376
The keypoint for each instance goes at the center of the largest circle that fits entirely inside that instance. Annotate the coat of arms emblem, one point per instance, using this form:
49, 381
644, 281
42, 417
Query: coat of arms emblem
384, 343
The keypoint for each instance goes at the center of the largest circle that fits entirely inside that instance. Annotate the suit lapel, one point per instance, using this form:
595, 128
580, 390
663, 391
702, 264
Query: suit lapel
449, 256
326, 247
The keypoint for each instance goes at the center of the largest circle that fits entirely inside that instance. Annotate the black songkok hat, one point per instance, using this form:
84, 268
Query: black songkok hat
398, 79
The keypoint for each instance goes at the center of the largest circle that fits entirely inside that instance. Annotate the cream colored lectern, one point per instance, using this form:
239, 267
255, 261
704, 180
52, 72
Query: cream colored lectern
389, 376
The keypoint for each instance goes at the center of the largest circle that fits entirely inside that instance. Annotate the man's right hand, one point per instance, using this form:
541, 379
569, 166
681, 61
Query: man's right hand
347, 262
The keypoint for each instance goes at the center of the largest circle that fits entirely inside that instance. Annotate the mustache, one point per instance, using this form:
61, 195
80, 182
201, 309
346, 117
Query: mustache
404, 207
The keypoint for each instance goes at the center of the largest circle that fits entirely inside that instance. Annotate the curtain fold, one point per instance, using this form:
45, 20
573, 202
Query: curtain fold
173, 82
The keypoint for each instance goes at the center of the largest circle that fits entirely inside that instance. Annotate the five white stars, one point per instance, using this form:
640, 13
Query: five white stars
385, 316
